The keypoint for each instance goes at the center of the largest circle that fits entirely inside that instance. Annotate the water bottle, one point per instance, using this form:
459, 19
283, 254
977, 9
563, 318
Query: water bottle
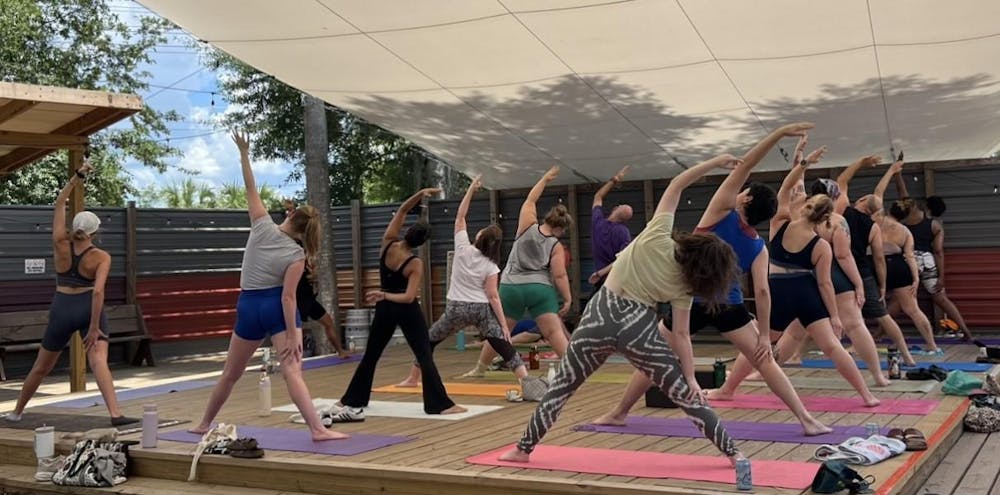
150, 423
533, 363
552, 373
893, 359
719, 372
264, 396
743, 479
460, 340
45, 438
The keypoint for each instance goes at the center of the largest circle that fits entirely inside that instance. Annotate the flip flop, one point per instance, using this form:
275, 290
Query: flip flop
896, 433
938, 373
919, 374
247, 454
914, 439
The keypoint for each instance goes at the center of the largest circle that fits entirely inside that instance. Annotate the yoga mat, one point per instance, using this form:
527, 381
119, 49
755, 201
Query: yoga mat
299, 440
453, 388
946, 341
73, 422
838, 383
777, 474
393, 409
698, 361
324, 361
599, 377
134, 393
918, 407
740, 430
949, 366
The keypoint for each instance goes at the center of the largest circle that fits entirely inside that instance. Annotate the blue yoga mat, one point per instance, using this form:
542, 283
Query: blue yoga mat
309, 364
135, 393
949, 366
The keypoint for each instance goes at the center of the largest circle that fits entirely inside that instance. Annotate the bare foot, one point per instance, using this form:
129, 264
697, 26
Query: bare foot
408, 383
718, 394
881, 380
323, 435
200, 429
515, 455
344, 354
812, 427
872, 401
456, 409
610, 419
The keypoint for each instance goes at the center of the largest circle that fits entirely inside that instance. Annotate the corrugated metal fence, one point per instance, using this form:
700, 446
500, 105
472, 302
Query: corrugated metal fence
188, 260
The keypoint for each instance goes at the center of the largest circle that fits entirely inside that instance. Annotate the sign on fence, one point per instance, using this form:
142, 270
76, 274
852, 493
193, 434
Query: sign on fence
34, 266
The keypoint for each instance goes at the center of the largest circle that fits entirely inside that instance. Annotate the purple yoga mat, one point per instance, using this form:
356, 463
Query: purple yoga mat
135, 393
739, 430
298, 440
328, 361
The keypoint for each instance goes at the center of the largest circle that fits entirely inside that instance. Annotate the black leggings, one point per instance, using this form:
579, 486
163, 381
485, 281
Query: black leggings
410, 319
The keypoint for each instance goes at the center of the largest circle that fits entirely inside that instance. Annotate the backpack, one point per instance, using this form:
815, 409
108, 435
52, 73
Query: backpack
834, 476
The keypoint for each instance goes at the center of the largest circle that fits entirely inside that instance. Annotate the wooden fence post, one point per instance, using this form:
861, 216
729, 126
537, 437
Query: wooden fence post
648, 199
357, 269
131, 268
494, 206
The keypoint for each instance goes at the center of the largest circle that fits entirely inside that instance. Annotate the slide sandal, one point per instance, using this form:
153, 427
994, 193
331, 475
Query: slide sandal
245, 448
914, 439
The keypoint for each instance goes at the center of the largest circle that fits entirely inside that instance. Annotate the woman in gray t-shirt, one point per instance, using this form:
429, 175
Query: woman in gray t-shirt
272, 265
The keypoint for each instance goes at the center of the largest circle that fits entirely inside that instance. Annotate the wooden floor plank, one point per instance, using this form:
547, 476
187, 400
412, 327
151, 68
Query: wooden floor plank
951, 470
982, 471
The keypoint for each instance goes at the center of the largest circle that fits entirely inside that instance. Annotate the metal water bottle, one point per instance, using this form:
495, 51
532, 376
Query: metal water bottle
264, 395
533, 362
893, 361
460, 340
150, 422
744, 481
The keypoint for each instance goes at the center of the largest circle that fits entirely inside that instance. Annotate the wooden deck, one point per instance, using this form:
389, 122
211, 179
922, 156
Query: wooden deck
434, 463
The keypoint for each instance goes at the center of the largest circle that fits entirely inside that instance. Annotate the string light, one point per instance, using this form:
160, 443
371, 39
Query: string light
689, 201
996, 189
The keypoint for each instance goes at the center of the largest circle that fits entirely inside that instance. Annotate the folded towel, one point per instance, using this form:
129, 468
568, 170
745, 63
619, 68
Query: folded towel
863, 451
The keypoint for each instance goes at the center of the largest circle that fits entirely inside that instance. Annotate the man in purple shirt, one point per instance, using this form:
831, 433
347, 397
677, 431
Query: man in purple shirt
608, 235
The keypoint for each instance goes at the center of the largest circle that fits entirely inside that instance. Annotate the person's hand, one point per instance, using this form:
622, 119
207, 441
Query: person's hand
870, 161
620, 176
912, 288
815, 156
430, 191
697, 394
564, 309
594, 278
506, 333
796, 129
726, 161
93, 336
859, 294
838, 326
477, 183
763, 350
374, 296
293, 345
896, 167
939, 286
242, 140
551, 174
881, 294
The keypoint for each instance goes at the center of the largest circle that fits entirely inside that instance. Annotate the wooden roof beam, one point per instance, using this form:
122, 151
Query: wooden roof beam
15, 108
42, 141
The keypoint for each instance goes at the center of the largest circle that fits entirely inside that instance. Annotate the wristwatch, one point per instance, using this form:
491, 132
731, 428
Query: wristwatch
803, 162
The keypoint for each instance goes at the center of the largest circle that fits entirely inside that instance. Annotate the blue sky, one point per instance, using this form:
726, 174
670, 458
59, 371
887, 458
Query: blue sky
203, 149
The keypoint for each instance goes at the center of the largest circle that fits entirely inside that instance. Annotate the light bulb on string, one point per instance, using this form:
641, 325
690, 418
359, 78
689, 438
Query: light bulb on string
916, 178
996, 189
689, 201
213, 98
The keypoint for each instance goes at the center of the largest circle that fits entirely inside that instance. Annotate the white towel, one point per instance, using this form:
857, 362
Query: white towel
863, 451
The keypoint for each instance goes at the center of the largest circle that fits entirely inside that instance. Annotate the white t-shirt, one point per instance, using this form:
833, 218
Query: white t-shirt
469, 270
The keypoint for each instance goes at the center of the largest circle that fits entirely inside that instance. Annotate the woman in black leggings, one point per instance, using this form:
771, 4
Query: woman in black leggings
400, 273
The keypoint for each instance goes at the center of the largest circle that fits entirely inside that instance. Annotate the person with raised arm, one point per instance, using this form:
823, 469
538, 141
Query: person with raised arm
732, 214
396, 304
78, 305
800, 277
658, 266
866, 237
928, 248
273, 262
474, 299
535, 278
608, 234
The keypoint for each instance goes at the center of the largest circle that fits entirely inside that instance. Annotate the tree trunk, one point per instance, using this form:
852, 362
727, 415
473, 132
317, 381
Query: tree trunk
318, 195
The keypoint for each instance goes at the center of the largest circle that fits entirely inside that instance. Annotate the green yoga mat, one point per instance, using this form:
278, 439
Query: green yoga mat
838, 383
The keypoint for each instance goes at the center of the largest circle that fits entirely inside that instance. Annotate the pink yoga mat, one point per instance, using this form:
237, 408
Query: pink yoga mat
918, 407
740, 430
777, 474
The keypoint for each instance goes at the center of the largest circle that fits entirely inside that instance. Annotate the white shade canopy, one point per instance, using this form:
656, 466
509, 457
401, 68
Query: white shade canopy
507, 88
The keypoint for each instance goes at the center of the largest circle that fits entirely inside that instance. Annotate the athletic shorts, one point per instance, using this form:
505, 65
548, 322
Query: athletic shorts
70, 313
533, 299
525, 326
897, 272
729, 317
928, 270
259, 314
841, 283
310, 309
874, 307
793, 298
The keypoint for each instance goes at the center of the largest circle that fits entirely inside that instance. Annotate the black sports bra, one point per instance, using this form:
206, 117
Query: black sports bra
783, 258
393, 281
72, 277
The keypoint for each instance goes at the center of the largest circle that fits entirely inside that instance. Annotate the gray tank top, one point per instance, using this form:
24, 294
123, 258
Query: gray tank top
529, 258
268, 253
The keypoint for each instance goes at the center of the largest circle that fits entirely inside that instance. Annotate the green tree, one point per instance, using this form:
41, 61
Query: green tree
83, 44
190, 194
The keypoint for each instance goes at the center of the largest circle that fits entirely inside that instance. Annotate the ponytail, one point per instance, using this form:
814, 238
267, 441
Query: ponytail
819, 209
79, 235
306, 223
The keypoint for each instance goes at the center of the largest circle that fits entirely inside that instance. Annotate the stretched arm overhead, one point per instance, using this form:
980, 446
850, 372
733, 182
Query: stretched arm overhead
59, 208
883, 183
396, 224
606, 188
845, 178
792, 180
254, 204
901, 186
672, 196
724, 198
463, 207
529, 211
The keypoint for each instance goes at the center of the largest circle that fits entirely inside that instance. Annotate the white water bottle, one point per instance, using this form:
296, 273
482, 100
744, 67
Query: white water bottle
45, 438
552, 373
264, 396
150, 423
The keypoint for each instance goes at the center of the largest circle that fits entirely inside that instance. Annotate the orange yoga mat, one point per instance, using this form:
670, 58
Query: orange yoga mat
717, 469
478, 389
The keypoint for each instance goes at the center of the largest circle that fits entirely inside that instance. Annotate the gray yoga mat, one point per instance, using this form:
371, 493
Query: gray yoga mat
66, 423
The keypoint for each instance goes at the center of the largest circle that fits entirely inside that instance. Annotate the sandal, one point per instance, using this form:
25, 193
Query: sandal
914, 439
245, 448
919, 374
896, 433
938, 373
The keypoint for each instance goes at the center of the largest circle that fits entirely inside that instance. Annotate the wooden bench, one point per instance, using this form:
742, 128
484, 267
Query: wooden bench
23, 331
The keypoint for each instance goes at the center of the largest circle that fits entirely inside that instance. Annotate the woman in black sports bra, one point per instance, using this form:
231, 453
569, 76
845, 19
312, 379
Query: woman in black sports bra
78, 305
400, 273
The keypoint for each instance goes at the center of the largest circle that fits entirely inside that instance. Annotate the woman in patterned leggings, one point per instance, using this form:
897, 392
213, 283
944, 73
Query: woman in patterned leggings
658, 267
474, 298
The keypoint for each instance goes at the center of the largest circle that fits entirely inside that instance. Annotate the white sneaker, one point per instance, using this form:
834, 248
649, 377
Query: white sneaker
47, 466
344, 415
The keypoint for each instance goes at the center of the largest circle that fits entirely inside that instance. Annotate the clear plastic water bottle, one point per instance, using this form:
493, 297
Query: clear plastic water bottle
744, 481
552, 373
264, 396
150, 423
